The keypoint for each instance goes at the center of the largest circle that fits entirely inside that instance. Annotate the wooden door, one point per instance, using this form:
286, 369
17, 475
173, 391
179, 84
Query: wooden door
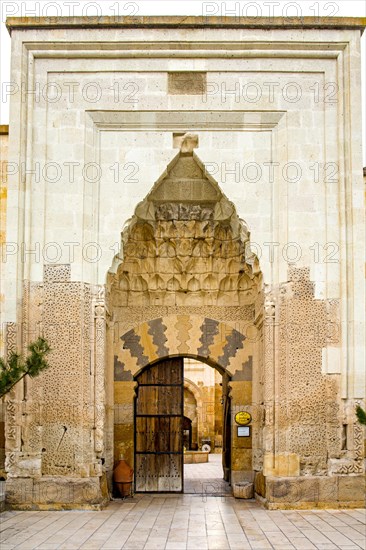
159, 428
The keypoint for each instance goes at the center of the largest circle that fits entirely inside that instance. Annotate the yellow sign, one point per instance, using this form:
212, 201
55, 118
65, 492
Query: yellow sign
243, 418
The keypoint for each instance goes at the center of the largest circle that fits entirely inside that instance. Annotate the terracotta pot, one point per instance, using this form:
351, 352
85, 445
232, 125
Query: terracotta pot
122, 477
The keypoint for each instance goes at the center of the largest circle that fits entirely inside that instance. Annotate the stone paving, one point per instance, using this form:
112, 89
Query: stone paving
191, 521
170, 522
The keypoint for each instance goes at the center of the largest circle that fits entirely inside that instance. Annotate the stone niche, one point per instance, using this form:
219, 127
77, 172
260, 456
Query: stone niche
185, 284
185, 253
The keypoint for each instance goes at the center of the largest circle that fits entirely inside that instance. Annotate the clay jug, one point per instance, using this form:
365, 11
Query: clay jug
122, 477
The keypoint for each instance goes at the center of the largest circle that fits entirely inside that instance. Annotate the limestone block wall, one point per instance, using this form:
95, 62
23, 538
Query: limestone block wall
4, 140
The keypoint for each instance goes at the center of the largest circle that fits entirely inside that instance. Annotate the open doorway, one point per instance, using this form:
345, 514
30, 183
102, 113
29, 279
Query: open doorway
206, 429
182, 428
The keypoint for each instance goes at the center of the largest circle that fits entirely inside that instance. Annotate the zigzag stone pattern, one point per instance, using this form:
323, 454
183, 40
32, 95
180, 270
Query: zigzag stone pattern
139, 347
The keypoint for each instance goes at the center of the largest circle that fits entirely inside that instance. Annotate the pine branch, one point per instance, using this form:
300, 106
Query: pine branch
15, 369
361, 415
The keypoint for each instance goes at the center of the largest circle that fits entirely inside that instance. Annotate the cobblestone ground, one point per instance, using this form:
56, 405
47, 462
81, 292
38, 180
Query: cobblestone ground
184, 521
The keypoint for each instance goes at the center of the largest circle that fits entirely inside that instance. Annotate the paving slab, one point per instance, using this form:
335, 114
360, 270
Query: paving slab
189, 522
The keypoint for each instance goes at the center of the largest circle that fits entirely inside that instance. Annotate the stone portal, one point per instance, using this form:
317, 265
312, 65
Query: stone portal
232, 120
188, 273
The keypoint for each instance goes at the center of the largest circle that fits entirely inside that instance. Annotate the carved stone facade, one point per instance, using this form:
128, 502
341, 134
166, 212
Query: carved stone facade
275, 303
306, 433
55, 424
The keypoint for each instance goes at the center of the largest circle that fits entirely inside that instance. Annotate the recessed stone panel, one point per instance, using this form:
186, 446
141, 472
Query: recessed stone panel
187, 83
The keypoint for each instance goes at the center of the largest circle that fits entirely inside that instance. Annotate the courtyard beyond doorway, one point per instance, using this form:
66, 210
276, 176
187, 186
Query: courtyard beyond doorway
207, 478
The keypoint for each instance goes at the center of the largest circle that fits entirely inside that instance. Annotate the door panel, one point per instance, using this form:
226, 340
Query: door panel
226, 437
159, 428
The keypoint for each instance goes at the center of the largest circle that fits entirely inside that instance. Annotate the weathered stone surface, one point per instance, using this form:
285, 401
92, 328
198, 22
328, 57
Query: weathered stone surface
281, 465
184, 22
4, 143
195, 457
187, 83
2, 495
351, 489
245, 489
315, 491
292, 491
54, 493
328, 490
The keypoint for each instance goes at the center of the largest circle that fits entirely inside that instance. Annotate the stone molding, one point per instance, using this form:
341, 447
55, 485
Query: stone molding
192, 22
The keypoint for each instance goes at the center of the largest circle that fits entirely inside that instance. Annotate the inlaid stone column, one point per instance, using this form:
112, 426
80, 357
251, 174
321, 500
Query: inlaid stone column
98, 345
269, 375
12, 409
